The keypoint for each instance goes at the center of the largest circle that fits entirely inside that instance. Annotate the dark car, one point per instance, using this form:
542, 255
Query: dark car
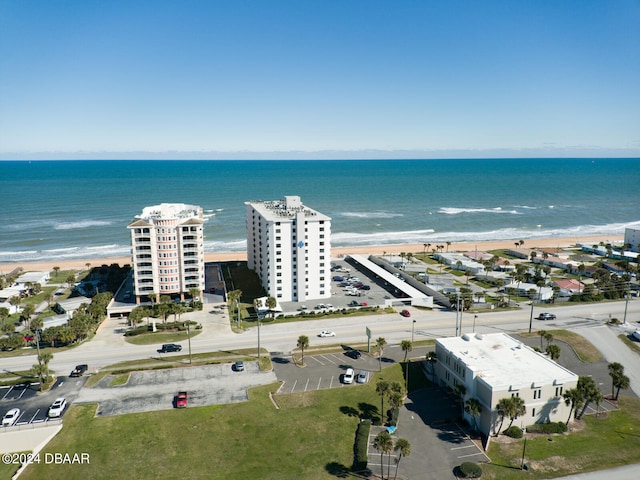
355, 354
170, 347
365, 287
79, 370
546, 316
238, 366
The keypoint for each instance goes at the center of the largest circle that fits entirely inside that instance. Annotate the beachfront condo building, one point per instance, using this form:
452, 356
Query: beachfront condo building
167, 248
496, 366
289, 247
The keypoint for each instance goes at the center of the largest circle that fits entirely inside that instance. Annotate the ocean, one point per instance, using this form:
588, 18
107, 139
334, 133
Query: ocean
57, 210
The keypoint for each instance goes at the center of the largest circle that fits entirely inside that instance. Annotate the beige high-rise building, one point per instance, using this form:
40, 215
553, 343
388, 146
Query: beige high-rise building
167, 249
289, 247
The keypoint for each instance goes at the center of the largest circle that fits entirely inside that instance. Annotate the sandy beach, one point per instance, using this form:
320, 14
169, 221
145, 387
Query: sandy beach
81, 264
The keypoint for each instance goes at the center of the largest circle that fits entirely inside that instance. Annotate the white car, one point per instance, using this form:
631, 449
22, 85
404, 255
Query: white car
11, 417
57, 407
327, 333
348, 376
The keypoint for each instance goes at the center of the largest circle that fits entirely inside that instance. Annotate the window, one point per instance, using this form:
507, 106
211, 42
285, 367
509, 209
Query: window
533, 412
516, 394
558, 391
537, 394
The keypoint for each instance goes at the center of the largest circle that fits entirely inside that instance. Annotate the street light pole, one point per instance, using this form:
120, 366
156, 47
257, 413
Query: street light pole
475, 317
189, 339
412, 329
531, 317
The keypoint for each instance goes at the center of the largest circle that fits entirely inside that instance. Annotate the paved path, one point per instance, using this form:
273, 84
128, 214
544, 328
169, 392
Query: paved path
606, 340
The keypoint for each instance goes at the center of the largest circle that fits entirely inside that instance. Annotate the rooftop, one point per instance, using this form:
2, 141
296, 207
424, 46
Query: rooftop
505, 363
171, 211
286, 208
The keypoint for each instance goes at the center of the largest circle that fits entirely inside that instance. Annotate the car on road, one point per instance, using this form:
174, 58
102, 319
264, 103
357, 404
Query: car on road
302, 308
11, 417
327, 333
170, 347
348, 376
405, 313
79, 370
238, 366
361, 377
355, 354
57, 407
182, 399
546, 316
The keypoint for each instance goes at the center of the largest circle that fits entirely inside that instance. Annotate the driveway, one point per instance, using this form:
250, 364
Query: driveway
155, 389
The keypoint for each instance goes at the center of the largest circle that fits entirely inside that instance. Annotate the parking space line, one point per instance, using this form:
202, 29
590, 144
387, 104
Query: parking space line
319, 382
315, 357
331, 382
471, 455
294, 386
34, 416
460, 448
23, 392
8, 392
307, 385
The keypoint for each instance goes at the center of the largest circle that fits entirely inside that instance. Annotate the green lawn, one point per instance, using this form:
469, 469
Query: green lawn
310, 437
160, 337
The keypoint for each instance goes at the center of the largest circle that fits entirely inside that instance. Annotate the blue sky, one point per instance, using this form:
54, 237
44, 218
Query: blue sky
315, 79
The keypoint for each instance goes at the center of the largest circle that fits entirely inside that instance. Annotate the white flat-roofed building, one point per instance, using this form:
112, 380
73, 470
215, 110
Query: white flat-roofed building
167, 244
289, 247
496, 366
632, 238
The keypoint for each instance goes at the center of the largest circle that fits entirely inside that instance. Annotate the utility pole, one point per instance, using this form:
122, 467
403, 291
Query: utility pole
626, 302
531, 316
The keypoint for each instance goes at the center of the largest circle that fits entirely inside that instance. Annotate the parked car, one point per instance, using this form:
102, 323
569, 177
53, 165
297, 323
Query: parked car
365, 287
405, 313
57, 407
302, 308
170, 347
348, 376
11, 417
636, 335
327, 333
79, 370
361, 377
354, 303
338, 278
546, 316
355, 354
238, 366
182, 399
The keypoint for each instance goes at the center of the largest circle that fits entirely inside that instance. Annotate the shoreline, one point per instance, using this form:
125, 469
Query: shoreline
560, 242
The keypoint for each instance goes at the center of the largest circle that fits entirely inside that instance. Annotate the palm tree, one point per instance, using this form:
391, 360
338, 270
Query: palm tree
460, 391
272, 303
406, 346
474, 408
622, 382
56, 270
384, 444
572, 397
589, 391
403, 447
382, 389
380, 344
503, 407
233, 297
548, 336
303, 342
615, 370
431, 360
7, 327
553, 351
27, 313
518, 409
542, 333
448, 244
43, 359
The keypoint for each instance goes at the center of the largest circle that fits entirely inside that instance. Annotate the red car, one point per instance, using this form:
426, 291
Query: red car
405, 313
181, 400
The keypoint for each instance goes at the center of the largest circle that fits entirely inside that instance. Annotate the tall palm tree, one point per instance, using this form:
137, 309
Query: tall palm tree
233, 297
448, 244
403, 447
542, 333
56, 270
382, 388
474, 408
406, 346
384, 444
621, 382
572, 397
303, 342
460, 391
517, 410
590, 393
272, 303
43, 359
380, 344
615, 369
548, 336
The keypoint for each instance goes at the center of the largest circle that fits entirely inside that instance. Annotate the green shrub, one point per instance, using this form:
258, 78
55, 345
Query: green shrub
553, 427
513, 432
471, 470
361, 446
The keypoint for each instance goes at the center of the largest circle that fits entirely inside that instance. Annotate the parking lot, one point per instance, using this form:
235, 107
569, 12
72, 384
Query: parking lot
154, 390
33, 406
